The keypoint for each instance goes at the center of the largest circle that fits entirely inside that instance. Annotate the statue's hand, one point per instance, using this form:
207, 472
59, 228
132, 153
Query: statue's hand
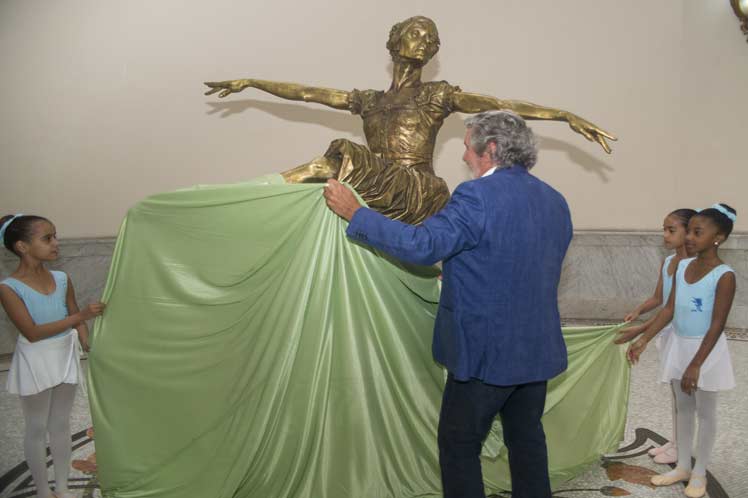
590, 131
226, 87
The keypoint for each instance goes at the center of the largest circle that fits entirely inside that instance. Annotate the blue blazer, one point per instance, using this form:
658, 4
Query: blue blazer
502, 239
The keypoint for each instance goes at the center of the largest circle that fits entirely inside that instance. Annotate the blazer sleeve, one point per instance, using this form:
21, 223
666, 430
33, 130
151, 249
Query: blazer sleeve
457, 227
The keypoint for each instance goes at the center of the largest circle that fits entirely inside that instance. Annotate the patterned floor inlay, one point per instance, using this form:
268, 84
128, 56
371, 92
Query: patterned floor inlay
17, 482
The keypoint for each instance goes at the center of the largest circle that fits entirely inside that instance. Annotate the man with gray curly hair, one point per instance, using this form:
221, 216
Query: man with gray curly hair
502, 239
514, 140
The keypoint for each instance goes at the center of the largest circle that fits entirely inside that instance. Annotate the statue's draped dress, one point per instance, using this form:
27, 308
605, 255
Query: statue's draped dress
395, 174
249, 349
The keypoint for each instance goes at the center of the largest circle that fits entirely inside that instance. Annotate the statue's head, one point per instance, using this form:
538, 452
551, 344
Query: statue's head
414, 39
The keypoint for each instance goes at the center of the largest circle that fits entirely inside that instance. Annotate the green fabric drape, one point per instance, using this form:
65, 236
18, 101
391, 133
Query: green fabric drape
249, 349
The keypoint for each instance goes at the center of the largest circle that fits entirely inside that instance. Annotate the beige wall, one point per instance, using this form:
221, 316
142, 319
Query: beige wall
101, 101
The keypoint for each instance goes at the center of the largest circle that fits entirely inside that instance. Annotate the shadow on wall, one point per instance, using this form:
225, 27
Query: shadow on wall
341, 121
578, 156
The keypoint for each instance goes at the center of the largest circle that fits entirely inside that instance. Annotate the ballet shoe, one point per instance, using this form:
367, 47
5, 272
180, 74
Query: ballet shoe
676, 475
656, 451
670, 455
696, 487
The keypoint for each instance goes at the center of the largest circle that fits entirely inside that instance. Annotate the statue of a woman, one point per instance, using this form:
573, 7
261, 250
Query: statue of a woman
395, 175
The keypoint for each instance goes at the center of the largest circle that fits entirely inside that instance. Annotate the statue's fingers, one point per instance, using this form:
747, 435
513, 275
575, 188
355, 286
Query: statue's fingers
606, 134
224, 93
603, 143
212, 91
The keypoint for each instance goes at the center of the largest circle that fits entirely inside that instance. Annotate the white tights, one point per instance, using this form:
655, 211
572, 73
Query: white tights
701, 405
48, 412
674, 439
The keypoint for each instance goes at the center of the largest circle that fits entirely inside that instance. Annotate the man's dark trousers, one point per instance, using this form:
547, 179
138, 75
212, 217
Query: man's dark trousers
468, 409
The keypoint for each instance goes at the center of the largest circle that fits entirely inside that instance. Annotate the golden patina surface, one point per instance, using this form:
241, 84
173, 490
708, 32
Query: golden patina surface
395, 174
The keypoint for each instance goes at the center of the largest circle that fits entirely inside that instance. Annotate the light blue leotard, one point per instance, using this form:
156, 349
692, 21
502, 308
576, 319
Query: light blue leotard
667, 280
43, 308
694, 303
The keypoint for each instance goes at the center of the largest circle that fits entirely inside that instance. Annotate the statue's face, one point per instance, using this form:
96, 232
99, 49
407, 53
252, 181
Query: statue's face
418, 42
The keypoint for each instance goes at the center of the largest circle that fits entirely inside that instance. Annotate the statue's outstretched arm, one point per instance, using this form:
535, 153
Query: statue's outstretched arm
473, 102
337, 99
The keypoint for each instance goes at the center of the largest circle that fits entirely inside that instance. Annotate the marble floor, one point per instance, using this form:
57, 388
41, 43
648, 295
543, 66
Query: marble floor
625, 473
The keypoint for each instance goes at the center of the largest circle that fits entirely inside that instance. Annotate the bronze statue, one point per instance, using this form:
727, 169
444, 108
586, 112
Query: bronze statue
395, 175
